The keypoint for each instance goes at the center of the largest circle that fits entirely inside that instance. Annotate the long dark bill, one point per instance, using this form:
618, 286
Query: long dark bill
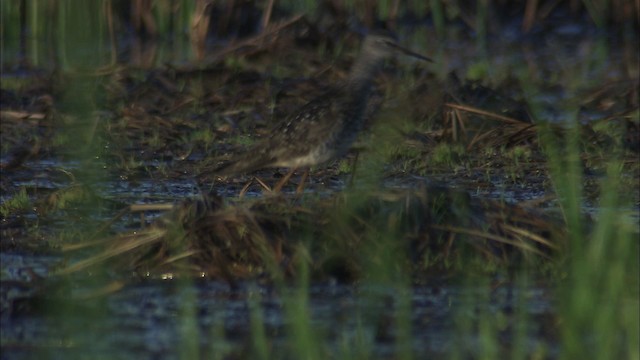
409, 52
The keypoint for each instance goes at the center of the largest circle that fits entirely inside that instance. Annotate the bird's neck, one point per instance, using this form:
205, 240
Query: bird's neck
361, 75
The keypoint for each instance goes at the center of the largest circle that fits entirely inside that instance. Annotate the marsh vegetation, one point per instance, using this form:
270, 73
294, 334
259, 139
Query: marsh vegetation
489, 210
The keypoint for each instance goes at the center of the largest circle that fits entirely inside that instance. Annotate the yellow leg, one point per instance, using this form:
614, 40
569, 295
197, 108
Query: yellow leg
300, 187
245, 188
262, 183
284, 180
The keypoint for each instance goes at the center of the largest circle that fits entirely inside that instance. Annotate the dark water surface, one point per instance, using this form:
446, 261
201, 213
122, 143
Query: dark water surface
147, 320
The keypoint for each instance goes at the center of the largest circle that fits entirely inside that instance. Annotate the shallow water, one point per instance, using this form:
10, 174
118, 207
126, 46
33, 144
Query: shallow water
146, 320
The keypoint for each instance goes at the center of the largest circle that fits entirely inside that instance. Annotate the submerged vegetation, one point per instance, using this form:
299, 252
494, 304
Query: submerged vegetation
510, 164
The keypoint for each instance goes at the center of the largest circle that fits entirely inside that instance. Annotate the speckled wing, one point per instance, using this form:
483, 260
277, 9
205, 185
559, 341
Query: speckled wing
306, 133
309, 132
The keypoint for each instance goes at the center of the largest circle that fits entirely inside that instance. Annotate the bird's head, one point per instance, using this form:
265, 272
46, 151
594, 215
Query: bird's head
383, 44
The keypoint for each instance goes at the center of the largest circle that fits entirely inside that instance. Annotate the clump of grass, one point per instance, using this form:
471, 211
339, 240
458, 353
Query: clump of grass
242, 140
205, 137
15, 204
235, 63
69, 197
61, 140
131, 164
519, 154
445, 154
263, 237
345, 166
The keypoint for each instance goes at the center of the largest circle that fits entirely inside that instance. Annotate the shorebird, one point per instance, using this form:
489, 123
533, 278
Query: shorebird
325, 127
